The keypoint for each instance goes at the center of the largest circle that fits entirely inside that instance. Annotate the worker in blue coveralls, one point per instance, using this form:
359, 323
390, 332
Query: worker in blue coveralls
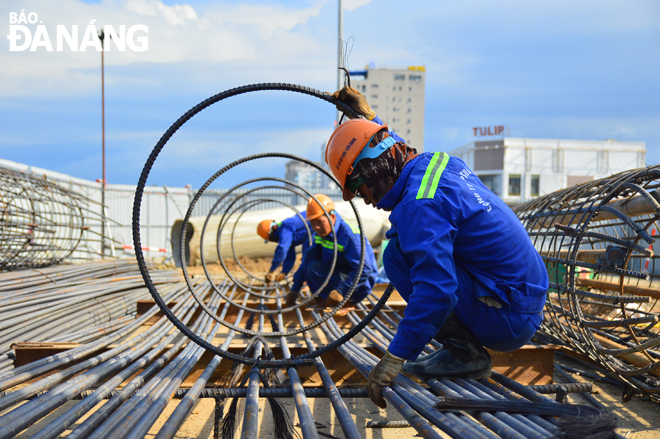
317, 260
457, 254
288, 234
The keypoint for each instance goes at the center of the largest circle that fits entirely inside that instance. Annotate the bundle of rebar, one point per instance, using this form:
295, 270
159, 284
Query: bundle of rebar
69, 303
597, 242
43, 223
138, 367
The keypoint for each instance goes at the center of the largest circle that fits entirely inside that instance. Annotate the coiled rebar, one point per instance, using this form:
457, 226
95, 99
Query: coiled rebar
264, 299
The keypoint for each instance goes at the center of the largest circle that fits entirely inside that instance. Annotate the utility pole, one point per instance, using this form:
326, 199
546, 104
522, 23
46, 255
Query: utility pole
101, 35
340, 62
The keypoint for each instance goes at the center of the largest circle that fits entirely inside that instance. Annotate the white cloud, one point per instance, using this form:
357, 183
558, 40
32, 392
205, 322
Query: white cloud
258, 36
351, 5
174, 15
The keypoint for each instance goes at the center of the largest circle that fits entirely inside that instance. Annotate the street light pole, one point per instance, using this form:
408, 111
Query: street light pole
340, 63
101, 35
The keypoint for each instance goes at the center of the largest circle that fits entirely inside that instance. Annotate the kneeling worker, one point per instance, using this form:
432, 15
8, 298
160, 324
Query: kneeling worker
317, 260
288, 234
457, 254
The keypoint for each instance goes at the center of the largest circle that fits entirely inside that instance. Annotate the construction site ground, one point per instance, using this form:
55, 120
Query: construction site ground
639, 418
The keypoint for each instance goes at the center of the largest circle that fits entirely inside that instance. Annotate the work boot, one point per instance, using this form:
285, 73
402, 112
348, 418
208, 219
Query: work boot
290, 298
461, 355
333, 299
317, 305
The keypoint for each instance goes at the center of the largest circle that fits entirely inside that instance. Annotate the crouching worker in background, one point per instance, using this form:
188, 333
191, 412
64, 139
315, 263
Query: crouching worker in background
288, 234
457, 254
317, 260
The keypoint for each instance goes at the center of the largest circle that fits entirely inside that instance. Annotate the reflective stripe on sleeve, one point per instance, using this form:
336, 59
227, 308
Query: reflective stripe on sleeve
433, 173
328, 244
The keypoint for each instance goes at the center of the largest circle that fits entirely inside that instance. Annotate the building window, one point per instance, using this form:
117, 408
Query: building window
374, 96
514, 184
364, 88
536, 183
489, 159
492, 182
399, 77
409, 120
374, 85
408, 132
416, 78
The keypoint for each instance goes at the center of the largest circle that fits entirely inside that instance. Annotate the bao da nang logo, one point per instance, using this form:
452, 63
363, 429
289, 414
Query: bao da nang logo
24, 37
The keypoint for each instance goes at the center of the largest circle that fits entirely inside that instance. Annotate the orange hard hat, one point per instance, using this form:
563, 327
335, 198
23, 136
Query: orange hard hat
344, 146
263, 229
314, 210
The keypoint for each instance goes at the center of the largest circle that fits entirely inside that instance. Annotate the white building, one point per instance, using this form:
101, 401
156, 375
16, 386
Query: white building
518, 169
397, 97
306, 176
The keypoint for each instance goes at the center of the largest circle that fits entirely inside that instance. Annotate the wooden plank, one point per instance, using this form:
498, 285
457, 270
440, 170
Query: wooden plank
28, 352
527, 365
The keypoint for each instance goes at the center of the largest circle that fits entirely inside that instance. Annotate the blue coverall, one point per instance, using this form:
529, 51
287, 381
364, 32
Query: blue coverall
317, 261
290, 233
453, 241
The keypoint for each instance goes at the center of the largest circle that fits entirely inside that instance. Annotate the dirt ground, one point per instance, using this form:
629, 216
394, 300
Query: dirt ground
257, 267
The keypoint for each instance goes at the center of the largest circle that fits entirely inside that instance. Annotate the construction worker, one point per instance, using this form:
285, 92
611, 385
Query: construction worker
457, 254
317, 260
288, 234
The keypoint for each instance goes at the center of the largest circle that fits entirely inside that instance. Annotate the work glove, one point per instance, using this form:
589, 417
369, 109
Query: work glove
290, 298
270, 276
355, 100
280, 277
382, 375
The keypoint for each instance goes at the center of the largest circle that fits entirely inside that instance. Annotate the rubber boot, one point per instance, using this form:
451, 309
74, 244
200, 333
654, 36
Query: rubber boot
461, 355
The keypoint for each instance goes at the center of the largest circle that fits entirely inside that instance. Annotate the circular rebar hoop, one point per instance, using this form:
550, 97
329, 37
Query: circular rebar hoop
224, 265
225, 218
257, 202
279, 310
297, 360
604, 283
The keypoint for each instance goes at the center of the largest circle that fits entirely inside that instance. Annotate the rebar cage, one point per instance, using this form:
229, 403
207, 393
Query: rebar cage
597, 242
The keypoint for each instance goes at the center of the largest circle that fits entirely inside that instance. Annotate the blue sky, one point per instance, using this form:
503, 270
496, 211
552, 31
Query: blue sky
561, 69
